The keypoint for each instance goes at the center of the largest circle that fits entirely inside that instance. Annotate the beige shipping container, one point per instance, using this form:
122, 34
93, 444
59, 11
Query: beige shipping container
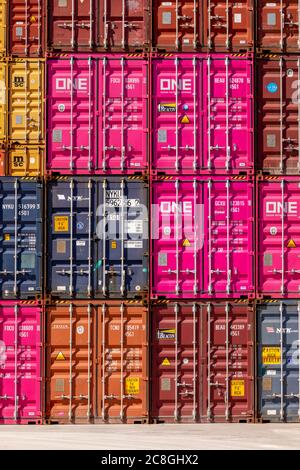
3, 22
25, 101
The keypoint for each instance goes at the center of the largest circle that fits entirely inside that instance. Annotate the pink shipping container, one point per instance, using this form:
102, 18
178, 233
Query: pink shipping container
20, 362
202, 237
202, 113
278, 237
97, 114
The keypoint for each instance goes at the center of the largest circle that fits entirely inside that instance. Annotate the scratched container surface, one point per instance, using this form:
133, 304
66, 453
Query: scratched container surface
202, 238
277, 26
21, 363
97, 238
21, 160
3, 26
278, 114
187, 25
97, 362
21, 208
278, 361
83, 25
97, 114
278, 228
202, 359
202, 113
26, 28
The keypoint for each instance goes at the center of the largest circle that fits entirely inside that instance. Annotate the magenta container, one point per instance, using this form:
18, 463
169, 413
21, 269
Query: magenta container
20, 362
278, 237
202, 237
202, 113
97, 114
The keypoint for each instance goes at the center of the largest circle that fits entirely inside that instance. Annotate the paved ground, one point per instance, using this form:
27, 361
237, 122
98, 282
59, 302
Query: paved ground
162, 436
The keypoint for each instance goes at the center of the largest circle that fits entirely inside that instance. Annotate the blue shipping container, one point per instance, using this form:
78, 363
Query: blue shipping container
278, 361
97, 237
21, 238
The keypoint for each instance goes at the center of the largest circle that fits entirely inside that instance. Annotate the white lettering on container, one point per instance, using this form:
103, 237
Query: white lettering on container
168, 207
63, 84
273, 207
169, 84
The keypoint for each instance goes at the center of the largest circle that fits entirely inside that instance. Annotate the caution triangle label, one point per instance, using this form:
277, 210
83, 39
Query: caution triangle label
166, 362
291, 244
60, 357
185, 120
186, 242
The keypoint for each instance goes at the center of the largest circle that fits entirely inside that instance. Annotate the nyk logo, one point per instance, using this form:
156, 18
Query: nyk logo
63, 84
273, 207
169, 84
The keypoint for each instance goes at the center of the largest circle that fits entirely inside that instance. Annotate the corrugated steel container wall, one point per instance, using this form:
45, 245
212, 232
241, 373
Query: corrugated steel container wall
21, 362
99, 25
278, 114
202, 238
97, 362
277, 26
21, 160
3, 102
278, 239
193, 24
202, 362
278, 374
107, 130
98, 238
26, 28
202, 113
21, 212
3, 26
26, 101
2, 163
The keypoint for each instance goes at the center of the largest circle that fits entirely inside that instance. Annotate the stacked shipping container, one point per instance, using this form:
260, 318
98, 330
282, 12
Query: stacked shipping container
149, 247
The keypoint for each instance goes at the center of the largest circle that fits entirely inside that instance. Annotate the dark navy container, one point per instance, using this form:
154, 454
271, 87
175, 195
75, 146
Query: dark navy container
278, 361
21, 238
97, 237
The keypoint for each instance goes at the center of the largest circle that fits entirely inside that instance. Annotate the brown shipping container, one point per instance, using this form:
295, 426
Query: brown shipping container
97, 362
26, 32
278, 114
202, 362
277, 26
193, 24
81, 25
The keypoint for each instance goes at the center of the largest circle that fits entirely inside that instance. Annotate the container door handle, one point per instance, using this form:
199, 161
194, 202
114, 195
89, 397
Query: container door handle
65, 25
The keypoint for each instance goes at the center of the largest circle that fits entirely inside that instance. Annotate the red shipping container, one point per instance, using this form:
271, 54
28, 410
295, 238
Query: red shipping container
278, 114
26, 31
202, 361
21, 362
202, 237
278, 237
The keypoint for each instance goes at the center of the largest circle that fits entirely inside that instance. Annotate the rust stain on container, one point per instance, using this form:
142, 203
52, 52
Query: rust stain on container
96, 362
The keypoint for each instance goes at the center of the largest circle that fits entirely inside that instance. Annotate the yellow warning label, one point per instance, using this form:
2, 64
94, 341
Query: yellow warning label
6, 236
237, 388
114, 244
291, 244
186, 242
166, 362
132, 385
60, 357
185, 120
61, 223
271, 355
33, 19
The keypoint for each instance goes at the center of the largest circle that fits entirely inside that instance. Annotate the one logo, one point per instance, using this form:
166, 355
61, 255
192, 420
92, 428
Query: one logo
272, 87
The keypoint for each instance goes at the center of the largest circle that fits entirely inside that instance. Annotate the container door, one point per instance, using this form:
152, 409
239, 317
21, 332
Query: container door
3, 25
278, 25
176, 24
279, 113
121, 252
26, 88
26, 27
21, 228
229, 25
278, 242
25, 161
20, 363
228, 373
123, 363
177, 96
71, 208
2, 162
3, 101
70, 375
72, 115
228, 104
175, 360
278, 361
74, 24
123, 134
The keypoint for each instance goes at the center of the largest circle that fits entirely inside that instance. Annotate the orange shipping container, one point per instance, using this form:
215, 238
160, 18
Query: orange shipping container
97, 362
